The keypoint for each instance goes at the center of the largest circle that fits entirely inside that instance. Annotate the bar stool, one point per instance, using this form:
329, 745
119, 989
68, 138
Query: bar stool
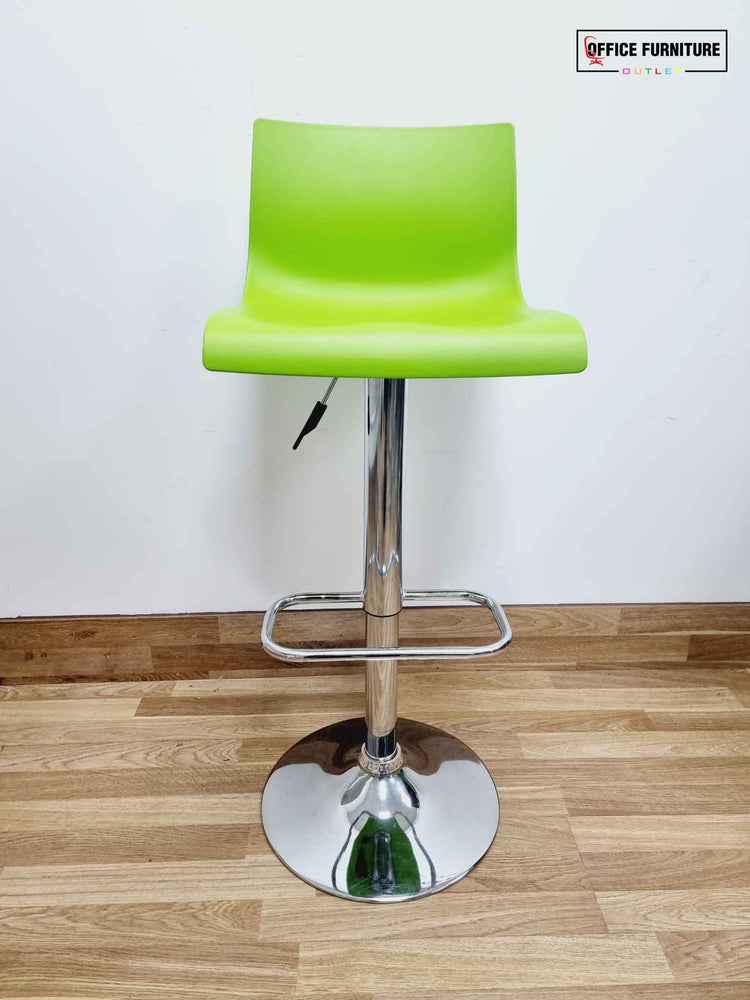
384, 254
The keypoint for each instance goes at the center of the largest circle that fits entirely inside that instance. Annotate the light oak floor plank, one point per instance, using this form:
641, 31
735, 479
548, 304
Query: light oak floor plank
483, 963
176, 925
151, 753
151, 811
699, 721
160, 882
668, 869
69, 710
642, 798
217, 970
485, 725
293, 727
642, 991
479, 914
131, 782
656, 770
632, 745
657, 675
122, 843
531, 800
655, 833
100, 689
676, 910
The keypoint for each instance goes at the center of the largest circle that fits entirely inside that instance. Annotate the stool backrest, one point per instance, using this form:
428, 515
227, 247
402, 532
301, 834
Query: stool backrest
396, 207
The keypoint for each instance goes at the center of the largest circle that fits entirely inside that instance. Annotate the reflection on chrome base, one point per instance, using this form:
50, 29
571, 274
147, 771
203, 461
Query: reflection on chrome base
380, 839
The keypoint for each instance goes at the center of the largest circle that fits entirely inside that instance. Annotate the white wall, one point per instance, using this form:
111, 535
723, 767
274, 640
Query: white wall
134, 481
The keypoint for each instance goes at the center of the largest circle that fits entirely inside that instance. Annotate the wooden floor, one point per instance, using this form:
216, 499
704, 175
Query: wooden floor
134, 865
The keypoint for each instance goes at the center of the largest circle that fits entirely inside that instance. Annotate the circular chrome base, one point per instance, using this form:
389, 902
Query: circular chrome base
380, 838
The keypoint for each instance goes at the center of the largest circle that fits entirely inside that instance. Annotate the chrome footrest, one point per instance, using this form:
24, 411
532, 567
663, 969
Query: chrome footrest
291, 654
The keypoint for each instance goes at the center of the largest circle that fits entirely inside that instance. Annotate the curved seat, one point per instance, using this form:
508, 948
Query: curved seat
386, 253
520, 342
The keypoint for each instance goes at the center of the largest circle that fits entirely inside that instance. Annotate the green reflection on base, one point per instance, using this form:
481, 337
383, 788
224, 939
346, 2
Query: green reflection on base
382, 861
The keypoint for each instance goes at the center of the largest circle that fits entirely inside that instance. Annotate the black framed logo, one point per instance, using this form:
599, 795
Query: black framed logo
652, 52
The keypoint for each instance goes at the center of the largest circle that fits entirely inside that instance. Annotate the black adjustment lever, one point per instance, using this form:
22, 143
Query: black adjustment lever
317, 412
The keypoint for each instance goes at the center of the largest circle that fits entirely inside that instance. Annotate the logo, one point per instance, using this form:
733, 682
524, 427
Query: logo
590, 46
652, 52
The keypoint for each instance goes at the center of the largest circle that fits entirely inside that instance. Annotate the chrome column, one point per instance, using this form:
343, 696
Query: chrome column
383, 588
348, 808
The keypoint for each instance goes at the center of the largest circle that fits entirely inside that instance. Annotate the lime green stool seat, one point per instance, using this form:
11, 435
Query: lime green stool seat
386, 253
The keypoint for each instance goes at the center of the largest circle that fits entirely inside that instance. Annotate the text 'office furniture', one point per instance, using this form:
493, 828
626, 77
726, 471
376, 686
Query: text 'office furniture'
384, 254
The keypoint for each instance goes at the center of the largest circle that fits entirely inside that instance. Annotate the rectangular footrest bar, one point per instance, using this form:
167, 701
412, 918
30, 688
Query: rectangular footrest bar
290, 654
